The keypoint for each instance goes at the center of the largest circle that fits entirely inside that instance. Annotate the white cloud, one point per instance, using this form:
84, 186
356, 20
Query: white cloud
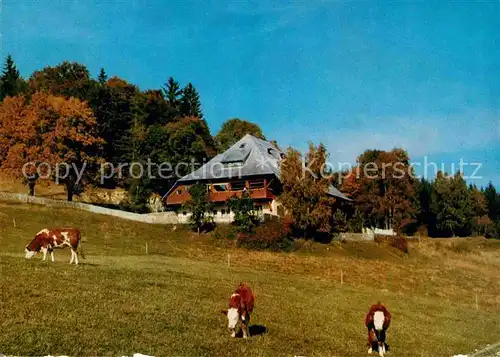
419, 136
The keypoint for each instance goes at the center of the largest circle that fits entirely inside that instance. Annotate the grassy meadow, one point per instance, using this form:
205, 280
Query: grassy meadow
157, 290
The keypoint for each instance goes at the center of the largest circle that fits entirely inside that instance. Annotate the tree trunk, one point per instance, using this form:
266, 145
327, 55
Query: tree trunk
69, 191
31, 186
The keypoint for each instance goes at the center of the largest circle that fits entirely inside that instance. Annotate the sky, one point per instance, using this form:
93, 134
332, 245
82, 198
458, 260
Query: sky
354, 75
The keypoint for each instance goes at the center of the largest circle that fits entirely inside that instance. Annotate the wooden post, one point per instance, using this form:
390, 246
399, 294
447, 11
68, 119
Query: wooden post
14, 221
341, 277
477, 305
146, 248
228, 260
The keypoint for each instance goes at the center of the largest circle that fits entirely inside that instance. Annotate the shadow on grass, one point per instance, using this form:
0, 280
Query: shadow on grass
255, 330
88, 264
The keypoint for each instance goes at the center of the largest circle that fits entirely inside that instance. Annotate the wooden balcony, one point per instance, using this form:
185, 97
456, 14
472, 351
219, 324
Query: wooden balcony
221, 192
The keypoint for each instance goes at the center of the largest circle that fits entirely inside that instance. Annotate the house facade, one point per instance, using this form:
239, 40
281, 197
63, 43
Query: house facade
251, 165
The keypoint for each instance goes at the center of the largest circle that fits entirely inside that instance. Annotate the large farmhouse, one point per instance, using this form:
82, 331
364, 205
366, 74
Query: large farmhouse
251, 165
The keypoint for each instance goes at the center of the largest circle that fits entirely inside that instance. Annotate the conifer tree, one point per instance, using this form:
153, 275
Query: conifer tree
103, 77
190, 102
172, 92
10, 81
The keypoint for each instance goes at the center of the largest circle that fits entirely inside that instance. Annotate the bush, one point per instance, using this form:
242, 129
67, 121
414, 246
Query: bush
274, 235
493, 231
224, 232
398, 242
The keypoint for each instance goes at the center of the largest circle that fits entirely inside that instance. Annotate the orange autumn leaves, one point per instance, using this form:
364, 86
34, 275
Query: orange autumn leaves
383, 185
46, 129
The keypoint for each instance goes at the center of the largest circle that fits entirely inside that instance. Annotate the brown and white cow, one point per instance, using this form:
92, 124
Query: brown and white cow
377, 321
241, 305
48, 239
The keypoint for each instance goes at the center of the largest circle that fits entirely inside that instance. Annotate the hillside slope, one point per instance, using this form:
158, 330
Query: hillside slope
166, 302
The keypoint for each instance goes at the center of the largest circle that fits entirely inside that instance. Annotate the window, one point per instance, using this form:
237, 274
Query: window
234, 164
184, 213
223, 211
238, 185
221, 187
256, 184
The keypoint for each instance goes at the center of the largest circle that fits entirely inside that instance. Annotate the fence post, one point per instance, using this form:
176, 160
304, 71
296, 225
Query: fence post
14, 221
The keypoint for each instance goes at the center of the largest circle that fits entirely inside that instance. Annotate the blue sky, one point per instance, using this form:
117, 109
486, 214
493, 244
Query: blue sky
354, 75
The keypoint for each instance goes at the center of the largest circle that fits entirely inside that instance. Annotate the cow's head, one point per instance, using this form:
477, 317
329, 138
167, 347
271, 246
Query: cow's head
233, 316
29, 253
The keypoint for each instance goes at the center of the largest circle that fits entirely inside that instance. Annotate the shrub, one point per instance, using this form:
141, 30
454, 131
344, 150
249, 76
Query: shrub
243, 208
224, 231
274, 235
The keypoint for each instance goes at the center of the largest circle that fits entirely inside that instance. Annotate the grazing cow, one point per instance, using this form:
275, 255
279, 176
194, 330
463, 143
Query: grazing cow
241, 305
48, 239
377, 321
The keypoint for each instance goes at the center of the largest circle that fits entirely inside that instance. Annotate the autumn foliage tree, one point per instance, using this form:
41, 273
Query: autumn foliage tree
52, 136
305, 190
383, 187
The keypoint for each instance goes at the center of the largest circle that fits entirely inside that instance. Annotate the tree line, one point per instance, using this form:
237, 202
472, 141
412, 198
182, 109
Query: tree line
62, 114
388, 196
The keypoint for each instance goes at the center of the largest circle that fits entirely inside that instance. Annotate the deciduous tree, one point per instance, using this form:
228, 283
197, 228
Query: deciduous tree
233, 130
383, 187
305, 187
244, 212
66, 79
54, 134
199, 205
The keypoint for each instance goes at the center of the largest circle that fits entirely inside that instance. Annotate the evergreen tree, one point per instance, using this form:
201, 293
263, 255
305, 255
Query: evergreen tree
190, 102
493, 202
451, 204
172, 92
425, 214
10, 81
103, 77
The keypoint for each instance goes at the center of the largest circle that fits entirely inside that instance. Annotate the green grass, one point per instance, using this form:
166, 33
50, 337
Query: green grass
167, 302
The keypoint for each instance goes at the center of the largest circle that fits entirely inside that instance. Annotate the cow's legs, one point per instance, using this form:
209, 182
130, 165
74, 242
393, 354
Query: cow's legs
74, 257
44, 251
52, 255
244, 328
381, 342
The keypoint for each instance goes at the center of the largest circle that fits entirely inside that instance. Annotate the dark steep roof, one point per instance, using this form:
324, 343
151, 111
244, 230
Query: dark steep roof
250, 156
